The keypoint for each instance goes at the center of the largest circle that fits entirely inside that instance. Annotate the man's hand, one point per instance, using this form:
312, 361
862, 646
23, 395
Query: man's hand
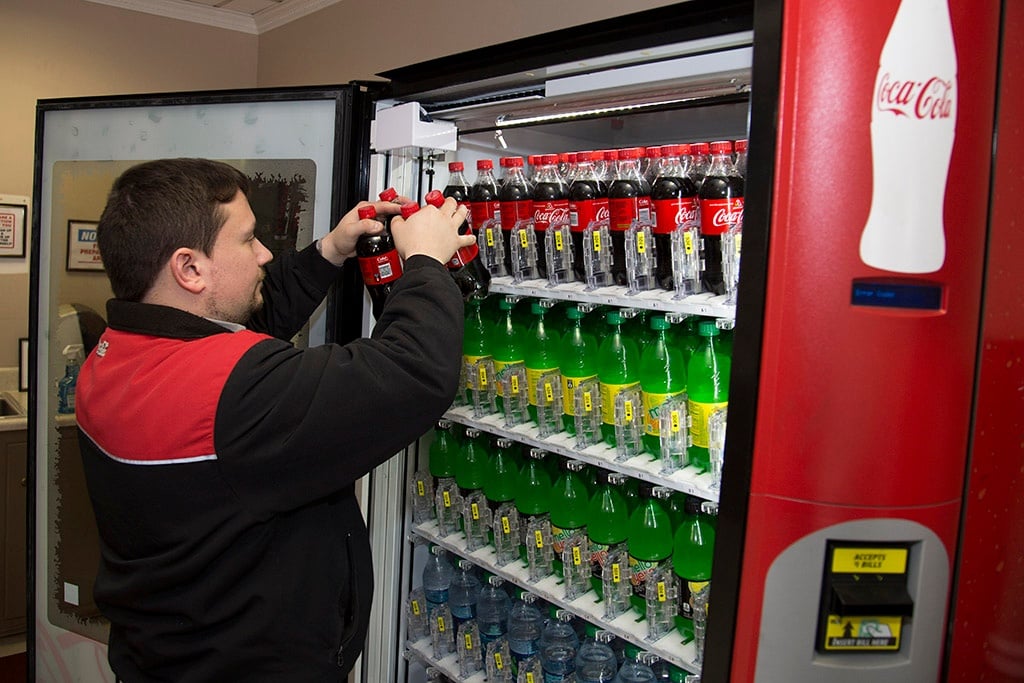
340, 243
433, 232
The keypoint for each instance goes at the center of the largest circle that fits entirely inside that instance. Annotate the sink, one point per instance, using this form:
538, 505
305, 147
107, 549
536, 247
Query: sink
10, 407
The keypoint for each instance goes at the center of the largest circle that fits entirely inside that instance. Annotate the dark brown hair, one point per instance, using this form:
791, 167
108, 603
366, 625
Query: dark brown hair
159, 206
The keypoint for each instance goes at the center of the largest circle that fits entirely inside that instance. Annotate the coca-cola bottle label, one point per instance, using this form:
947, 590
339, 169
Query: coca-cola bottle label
553, 212
463, 256
481, 212
380, 268
513, 212
585, 212
622, 212
718, 215
671, 213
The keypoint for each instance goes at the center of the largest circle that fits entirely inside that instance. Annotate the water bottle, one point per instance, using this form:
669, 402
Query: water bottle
524, 628
437, 577
595, 660
465, 589
492, 609
558, 648
637, 670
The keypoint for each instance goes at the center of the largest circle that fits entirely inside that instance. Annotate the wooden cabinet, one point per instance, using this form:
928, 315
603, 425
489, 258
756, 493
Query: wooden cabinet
13, 459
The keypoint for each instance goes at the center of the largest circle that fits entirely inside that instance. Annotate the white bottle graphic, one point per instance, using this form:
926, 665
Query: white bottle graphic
913, 122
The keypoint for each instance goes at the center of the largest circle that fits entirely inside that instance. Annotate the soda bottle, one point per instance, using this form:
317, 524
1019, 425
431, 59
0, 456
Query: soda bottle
607, 526
533, 501
508, 349
567, 166
524, 628
650, 540
701, 153
437, 578
693, 550
675, 203
707, 390
500, 490
484, 207
588, 202
662, 376
470, 473
475, 348
463, 593
444, 451
569, 515
516, 204
740, 164
379, 262
559, 644
721, 207
577, 362
465, 266
595, 660
629, 199
618, 369
541, 359
650, 162
550, 207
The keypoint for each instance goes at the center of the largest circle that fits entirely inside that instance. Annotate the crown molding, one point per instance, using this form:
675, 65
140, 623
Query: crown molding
288, 11
188, 11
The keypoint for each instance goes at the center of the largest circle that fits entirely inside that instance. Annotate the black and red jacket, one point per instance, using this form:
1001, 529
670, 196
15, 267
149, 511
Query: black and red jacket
221, 467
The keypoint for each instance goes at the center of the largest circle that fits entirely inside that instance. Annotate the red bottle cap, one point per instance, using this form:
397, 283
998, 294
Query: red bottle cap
388, 195
611, 155
670, 150
685, 149
532, 159
409, 209
584, 156
548, 159
700, 147
721, 147
512, 162
484, 165
573, 157
455, 166
654, 152
563, 158
631, 153
741, 145
434, 198
367, 212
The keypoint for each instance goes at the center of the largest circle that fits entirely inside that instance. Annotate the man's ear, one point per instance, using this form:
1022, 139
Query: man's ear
188, 269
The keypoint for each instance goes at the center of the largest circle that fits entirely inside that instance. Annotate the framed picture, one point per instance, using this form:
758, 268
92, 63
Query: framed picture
23, 364
12, 230
83, 252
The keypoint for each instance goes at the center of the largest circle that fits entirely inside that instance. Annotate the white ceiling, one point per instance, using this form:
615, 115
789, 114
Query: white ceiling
247, 16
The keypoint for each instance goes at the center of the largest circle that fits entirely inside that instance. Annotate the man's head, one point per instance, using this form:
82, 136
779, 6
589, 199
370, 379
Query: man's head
180, 232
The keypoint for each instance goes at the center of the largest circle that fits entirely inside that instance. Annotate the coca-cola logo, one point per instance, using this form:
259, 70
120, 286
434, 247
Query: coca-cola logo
723, 218
551, 215
930, 99
687, 214
602, 213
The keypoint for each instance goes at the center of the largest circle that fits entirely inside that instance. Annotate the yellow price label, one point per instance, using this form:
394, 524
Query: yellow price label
483, 377
515, 383
416, 607
440, 624
739, 242
661, 592
420, 488
523, 241
447, 498
676, 421
688, 242
529, 677
474, 510
497, 661
597, 241
577, 556
616, 574
588, 403
538, 538
627, 408
506, 528
549, 393
558, 240
469, 641
641, 243
489, 236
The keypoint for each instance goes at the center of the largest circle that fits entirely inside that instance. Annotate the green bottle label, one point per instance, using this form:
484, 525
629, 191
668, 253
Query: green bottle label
476, 379
700, 413
533, 376
609, 392
652, 412
569, 385
501, 371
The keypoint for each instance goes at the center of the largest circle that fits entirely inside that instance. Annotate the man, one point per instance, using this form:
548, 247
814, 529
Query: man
220, 459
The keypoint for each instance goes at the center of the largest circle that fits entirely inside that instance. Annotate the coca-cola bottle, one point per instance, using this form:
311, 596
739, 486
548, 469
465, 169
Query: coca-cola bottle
700, 152
379, 262
465, 266
567, 166
675, 203
650, 163
588, 202
741, 158
484, 206
629, 199
550, 204
516, 204
721, 207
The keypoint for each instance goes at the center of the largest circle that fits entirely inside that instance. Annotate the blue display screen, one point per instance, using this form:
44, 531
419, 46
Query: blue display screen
912, 294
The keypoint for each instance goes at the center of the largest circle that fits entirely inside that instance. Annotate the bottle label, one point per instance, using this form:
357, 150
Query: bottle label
608, 394
503, 370
652, 412
672, 213
481, 212
513, 212
639, 570
700, 413
585, 212
553, 212
533, 376
686, 589
463, 256
622, 212
718, 215
598, 556
380, 268
475, 380
558, 538
569, 385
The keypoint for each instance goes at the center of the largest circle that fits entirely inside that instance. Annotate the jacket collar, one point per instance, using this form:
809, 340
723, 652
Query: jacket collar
159, 321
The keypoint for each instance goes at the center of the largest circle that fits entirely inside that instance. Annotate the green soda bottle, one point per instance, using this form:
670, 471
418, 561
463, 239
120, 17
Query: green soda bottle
444, 452
470, 474
607, 523
507, 349
707, 390
694, 548
533, 501
541, 358
662, 376
577, 361
569, 515
475, 347
686, 338
650, 540
500, 487
618, 369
